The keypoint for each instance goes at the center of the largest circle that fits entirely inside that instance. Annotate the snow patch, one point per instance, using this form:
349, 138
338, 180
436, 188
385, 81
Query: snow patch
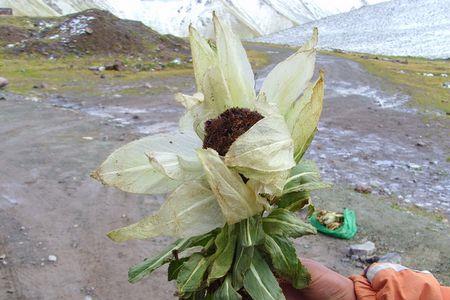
76, 26
383, 100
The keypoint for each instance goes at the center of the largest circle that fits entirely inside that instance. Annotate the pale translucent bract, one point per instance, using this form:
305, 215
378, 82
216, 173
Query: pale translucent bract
235, 65
304, 116
190, 210
202, 56
129, 169
287, 81
237, 200
266, 147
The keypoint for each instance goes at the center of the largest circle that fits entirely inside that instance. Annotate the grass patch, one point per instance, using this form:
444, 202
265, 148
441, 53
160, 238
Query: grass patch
408, 74
258, 59
71, 73
21, 22
418, 211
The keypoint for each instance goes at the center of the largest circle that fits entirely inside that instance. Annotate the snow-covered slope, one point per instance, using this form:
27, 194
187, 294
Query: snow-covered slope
249, 17
399, 27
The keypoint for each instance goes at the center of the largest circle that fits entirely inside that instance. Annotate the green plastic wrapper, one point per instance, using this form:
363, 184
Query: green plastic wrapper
345, 231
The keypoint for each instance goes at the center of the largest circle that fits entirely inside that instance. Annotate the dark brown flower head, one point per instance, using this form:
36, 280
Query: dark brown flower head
222, 131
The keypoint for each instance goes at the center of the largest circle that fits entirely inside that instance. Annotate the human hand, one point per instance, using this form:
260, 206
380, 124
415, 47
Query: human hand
325, 285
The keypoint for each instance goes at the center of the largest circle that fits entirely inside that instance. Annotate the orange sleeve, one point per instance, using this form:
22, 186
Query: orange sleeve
363, 288
395, 282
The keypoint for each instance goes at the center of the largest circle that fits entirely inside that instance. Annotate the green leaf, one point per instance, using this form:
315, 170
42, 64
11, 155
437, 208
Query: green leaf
251, 232
226, 291
199, 295
302, 277
311, 209
223, 257
259, 281
242, 260
283, 255
294, 201
174, 268
285, 223
190, 210
285, 261
191, 273
147, 266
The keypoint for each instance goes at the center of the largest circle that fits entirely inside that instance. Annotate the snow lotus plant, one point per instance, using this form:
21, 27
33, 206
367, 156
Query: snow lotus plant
234, 175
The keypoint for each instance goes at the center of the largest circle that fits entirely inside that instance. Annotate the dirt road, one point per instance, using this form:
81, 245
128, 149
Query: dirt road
50, 206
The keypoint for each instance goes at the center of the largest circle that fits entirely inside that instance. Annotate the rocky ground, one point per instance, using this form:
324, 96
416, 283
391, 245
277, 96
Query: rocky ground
54, 216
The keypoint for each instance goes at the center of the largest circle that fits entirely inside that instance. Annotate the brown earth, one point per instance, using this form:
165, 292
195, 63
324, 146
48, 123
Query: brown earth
12, 34
50, 206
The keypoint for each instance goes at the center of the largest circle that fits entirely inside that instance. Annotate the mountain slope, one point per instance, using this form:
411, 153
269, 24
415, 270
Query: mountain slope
399, 27
249, 18
29, 8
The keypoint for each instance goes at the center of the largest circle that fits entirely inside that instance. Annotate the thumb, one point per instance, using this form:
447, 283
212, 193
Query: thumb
325, 285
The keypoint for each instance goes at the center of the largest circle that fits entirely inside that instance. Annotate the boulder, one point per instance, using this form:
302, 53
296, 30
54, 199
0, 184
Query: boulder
366, 249
363, 189
391, 257
3, 82
116, 66
40, 86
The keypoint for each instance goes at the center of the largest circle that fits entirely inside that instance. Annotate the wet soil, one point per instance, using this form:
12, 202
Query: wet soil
50, 206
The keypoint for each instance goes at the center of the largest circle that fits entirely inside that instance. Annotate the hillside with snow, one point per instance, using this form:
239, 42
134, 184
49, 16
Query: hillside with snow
398, 27
250, 18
